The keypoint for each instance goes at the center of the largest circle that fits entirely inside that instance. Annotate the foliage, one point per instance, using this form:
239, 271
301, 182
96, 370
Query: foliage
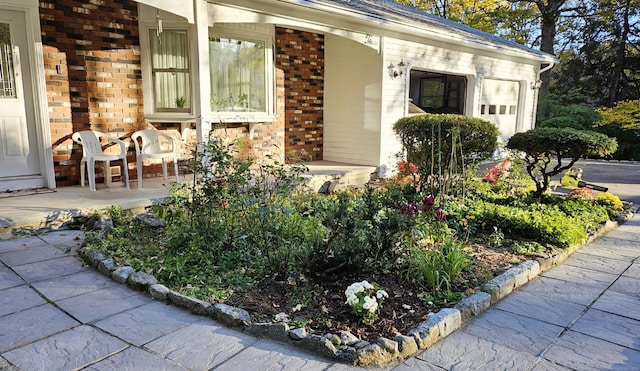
219, 242
582, 194
365, 300
566, 110
611, 202
622, 121
442, 145
544, 150
435, 267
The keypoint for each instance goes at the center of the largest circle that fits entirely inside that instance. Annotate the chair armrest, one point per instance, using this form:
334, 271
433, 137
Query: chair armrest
121, 143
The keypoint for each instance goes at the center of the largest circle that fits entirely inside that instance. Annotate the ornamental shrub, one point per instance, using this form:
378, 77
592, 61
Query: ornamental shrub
441, 145
622, 121
545, 149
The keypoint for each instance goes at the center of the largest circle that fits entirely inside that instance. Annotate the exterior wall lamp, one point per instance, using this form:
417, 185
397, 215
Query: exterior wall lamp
399, 70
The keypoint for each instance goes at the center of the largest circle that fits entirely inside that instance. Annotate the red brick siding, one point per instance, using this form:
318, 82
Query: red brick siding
300, 55
93, 74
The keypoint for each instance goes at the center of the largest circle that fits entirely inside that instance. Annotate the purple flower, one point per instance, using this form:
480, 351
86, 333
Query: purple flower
440, 215
410, 209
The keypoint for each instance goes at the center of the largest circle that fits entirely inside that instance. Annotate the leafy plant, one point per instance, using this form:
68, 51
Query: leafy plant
544, 150
442, 145
436, 267
365, 300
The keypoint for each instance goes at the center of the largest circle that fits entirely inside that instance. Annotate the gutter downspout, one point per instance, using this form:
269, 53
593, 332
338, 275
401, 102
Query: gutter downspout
536, 88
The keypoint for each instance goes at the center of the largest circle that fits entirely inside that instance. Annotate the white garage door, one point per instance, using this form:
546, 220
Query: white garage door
499, 104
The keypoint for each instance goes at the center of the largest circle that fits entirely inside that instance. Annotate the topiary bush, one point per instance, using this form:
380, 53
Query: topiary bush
545, 149
442, 145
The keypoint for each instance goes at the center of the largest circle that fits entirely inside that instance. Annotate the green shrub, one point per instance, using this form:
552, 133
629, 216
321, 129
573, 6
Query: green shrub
544, 150
623, 123
441, 145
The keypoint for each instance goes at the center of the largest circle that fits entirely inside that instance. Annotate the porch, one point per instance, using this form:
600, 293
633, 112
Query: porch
48, 210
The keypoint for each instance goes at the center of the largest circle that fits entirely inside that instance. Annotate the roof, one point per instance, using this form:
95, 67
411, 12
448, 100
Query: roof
388, 11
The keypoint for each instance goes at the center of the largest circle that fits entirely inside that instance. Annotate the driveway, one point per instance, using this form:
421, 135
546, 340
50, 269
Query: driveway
621, 177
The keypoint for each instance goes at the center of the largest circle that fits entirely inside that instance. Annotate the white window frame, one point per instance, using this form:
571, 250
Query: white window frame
148, 83
238, 116
188, 70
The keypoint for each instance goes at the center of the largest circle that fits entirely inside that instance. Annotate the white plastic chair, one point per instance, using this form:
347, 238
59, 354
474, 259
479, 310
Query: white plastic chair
92, 151
155, 144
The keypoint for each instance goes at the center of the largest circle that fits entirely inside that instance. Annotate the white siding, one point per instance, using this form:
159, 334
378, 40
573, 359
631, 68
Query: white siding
352, 98
455, 61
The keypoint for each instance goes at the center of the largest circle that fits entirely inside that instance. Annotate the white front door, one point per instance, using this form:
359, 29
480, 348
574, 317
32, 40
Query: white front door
19, 156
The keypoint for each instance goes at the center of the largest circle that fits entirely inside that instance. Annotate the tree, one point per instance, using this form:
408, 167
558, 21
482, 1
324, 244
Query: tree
545, 149
622, 121
603, 62
550, 11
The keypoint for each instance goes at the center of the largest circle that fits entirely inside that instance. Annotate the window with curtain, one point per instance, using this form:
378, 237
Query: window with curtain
238, 74
170, 70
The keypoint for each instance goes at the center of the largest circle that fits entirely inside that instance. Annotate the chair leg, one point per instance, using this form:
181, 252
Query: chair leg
139, 166
126, 172
91, 173
175, 169
83, 164
107, 174
164, 168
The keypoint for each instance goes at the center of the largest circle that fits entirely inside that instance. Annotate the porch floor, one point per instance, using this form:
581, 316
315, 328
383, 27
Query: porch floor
35, 213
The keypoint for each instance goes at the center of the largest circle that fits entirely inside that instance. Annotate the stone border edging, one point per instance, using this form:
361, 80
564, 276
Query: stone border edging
346, 347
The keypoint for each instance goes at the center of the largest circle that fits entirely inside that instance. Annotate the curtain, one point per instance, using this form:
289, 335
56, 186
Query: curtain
238, 78
170, 61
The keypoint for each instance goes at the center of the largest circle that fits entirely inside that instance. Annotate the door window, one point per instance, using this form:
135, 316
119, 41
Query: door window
7, 76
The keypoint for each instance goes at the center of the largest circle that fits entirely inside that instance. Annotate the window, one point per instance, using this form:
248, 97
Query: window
170, 69
7, 73
437, 93
240, 78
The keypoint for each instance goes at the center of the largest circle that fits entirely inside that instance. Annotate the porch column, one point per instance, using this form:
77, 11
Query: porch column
202, 91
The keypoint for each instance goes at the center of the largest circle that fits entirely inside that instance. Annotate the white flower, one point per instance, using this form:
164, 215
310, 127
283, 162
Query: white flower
352, 300
370, 304
381, 294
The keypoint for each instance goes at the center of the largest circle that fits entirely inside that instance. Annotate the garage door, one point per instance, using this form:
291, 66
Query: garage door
499, 104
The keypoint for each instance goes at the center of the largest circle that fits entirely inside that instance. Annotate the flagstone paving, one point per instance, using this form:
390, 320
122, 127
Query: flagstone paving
57, 314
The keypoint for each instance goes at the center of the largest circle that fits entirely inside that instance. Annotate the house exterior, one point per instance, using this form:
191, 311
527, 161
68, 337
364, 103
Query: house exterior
311, 79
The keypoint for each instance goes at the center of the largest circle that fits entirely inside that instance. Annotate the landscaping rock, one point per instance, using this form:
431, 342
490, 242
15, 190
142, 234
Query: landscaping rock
373, 354
319, 344
388, 345
437, 326
107, 266
335, 339
94, 257
121, 274
277, 331
515, 277
159, 292
407, 345
473, 305
448, 320
347, 355
151, 220
195, 306
141, 281
298, 333
232, 316
425, 334
349, 338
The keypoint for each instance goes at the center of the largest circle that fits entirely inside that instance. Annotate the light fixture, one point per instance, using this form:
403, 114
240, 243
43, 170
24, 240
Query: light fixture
399, 70
158, 24
536, 84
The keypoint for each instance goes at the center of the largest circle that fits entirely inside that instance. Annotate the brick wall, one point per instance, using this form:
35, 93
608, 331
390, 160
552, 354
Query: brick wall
93, 74
300, 55
94, 81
